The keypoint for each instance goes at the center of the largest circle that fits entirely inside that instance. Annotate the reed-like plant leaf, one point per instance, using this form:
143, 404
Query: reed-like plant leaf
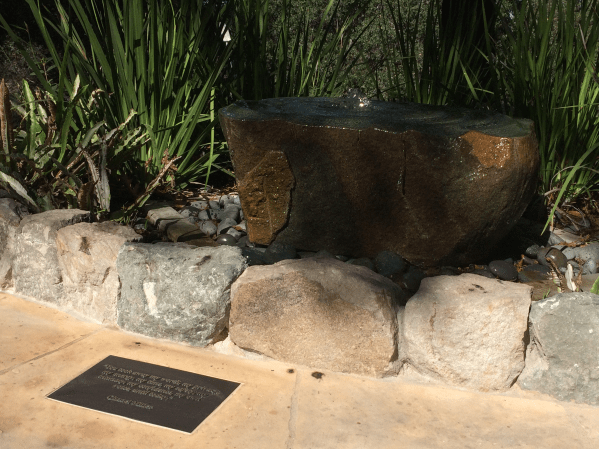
307, 62
8, 181
147, 56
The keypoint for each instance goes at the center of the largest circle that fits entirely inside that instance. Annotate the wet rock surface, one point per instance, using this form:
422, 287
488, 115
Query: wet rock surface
503, 270
420, 169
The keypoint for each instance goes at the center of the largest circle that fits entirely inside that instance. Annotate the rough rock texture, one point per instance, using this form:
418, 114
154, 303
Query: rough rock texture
267, 190
87, 255
176, 291
442, 185
35, 266
467, 330
10, 217
563, 356
318, 312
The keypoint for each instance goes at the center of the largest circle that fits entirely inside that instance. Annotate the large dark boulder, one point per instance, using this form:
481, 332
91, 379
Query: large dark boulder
438, 185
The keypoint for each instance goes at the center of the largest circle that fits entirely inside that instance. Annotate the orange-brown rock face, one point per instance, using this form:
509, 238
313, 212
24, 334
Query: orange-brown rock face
437, 185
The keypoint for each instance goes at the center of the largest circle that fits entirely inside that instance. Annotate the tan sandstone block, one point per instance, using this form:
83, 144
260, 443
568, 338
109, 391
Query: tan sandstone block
317, 312
87, 254
467, 330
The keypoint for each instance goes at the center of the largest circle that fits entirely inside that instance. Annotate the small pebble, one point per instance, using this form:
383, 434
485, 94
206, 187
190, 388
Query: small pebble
388, 263
189, 212
503, 270
225, 200
203, 215
541, 254
231, 211
532, 251
412, 278
589, 253
199, 205
324, 253
554, 239
484, 273
242, 241
235, 233
226, 239
207, 227
558, 257
279, 251
362, 262
225, 225
242, 226
533, 275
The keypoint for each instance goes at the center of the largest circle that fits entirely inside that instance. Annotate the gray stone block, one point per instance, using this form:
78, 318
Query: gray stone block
175, 291
10, 217
35, 267
562, 359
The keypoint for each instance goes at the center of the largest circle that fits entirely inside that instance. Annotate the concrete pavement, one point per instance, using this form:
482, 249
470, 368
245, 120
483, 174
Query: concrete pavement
279, 405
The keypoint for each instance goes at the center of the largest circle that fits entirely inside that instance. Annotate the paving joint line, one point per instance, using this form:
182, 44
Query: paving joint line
293, 412
66, 345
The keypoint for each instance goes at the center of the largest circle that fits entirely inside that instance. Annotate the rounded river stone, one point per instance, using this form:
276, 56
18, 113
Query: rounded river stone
226, 239
554, 254
503, 270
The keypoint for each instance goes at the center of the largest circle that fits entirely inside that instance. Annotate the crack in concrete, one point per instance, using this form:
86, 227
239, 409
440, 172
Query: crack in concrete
66, 345
293, 412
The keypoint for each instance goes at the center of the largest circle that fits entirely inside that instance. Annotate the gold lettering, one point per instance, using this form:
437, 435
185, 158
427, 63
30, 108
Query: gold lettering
129, 402
111, 379
157, 396
140, 392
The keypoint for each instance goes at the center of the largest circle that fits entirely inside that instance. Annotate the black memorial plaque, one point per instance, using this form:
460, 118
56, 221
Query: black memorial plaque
146, 392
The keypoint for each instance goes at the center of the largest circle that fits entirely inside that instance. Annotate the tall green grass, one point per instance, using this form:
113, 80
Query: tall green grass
286, 57
149, 57
170, 65
547, 73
